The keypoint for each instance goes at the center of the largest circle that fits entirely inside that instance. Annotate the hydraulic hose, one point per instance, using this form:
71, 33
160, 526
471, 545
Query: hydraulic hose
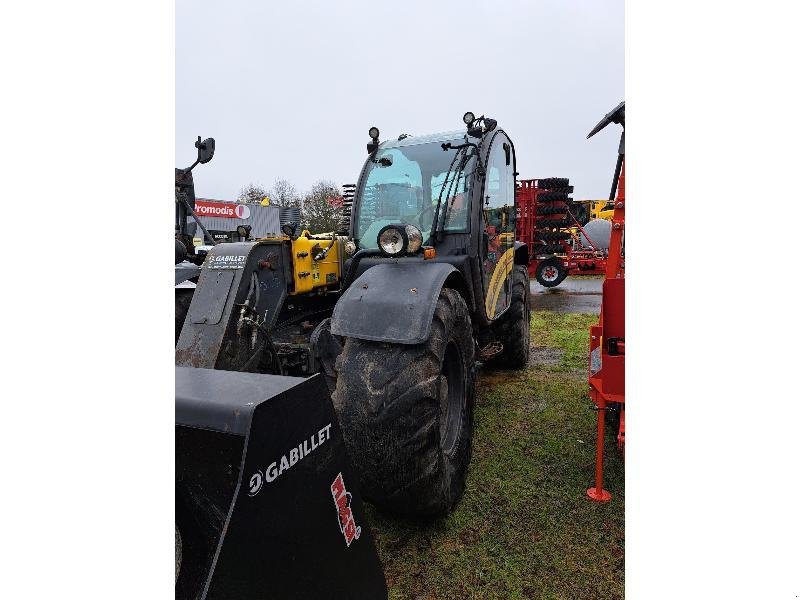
354, 262
324, 253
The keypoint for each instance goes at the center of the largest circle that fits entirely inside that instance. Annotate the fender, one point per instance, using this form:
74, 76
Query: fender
391, 302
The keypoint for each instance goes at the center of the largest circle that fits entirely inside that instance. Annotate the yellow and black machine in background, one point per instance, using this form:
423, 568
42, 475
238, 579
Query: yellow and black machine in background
258, 302
597, 209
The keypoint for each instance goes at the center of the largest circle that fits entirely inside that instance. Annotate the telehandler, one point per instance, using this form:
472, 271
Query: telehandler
395, 315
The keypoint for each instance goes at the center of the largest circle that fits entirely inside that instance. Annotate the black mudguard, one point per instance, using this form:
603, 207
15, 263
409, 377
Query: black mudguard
391, 302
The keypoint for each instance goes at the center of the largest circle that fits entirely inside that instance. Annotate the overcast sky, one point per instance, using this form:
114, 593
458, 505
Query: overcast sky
289, 89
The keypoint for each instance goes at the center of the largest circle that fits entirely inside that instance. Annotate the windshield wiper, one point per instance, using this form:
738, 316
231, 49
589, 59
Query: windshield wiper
383, 161
450, 184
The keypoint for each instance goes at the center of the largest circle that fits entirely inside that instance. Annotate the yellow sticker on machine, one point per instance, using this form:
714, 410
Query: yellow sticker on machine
501, 271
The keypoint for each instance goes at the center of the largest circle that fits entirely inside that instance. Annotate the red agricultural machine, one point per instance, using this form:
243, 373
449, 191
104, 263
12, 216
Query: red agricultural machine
607, 338
552, 225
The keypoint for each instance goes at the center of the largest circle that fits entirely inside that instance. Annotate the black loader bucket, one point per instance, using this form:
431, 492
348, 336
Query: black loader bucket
267, 505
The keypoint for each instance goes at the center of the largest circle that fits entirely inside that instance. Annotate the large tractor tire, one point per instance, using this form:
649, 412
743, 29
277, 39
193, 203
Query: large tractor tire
552, 197
553, 182
549, 209
406, 413
551, 236
513, 329
183, 298
548, 249
567, 189
557, 223
550, 272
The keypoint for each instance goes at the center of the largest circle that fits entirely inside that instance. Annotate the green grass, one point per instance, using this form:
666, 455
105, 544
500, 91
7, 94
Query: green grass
524, 528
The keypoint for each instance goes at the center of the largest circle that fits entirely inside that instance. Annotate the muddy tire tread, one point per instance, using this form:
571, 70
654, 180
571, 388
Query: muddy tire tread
387, 401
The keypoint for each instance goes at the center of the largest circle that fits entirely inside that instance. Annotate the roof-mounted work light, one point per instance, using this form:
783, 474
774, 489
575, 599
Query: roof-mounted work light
373, 145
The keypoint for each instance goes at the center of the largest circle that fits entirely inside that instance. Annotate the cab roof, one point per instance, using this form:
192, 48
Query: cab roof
413, 140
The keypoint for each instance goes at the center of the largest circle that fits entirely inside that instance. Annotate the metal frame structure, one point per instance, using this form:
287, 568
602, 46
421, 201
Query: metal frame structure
574, 256
607, 337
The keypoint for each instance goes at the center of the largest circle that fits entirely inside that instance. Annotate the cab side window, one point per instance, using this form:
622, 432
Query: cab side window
499, 190
497, 251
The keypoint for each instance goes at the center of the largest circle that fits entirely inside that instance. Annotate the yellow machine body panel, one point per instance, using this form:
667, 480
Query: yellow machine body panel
310, 274
599, 209
602, 209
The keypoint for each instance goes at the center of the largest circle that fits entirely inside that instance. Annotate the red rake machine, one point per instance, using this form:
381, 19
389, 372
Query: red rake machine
551, 224
607, 338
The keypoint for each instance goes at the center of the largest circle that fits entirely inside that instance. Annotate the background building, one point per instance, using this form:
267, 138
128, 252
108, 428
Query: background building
222, 217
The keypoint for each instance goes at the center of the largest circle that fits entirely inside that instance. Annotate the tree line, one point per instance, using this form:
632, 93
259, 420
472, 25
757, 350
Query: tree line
320, 207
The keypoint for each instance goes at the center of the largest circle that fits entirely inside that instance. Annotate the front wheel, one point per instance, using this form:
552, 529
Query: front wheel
406, 413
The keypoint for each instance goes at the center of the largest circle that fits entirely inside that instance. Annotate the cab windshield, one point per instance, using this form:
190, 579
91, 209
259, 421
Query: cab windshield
402, 185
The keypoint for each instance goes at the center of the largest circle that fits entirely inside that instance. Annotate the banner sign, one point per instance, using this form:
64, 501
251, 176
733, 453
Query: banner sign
226, 210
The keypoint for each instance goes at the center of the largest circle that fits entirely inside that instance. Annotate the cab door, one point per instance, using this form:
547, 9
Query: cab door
497, 215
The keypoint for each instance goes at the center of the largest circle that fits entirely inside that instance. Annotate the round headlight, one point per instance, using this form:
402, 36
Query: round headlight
414, 236
392, 240
350, 247
374, 133
469, 118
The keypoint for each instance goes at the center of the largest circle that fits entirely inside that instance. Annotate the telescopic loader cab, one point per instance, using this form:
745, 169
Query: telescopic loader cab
395, 309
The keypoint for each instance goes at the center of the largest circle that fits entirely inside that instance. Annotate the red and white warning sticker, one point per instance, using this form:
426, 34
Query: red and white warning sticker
343, 500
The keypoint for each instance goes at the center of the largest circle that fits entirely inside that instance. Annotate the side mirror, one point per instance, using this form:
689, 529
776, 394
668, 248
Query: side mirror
205, 150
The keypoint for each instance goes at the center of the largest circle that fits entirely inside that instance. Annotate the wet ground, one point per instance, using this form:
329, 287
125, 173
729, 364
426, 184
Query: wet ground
573, 295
